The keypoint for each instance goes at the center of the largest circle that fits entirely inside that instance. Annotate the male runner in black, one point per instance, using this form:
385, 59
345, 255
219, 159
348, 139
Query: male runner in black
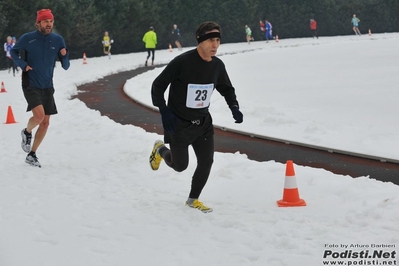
186, 119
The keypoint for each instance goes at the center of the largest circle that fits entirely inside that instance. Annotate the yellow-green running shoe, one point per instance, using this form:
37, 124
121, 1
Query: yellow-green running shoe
199, 205
155, 157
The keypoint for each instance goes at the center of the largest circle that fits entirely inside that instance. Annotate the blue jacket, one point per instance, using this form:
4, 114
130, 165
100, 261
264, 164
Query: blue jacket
41, 52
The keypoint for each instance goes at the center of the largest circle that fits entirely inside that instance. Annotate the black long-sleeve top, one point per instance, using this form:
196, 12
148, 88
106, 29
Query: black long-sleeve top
192, 81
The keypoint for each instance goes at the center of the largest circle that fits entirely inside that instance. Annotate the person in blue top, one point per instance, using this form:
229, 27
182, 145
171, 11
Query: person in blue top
14, 66
269, 31
176, 37
355, 23
41, 50
7, 48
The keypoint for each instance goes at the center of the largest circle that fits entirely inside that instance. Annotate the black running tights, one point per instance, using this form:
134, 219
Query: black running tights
177, 158
151, 51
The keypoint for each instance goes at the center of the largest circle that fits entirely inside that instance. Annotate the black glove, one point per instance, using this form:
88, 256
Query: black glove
237, 115
169, 120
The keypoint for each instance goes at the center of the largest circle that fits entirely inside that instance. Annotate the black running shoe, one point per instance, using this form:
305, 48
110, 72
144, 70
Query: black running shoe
32, 160
26, 139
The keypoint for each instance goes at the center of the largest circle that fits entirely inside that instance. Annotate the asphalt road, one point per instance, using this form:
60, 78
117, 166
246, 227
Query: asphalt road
106, 95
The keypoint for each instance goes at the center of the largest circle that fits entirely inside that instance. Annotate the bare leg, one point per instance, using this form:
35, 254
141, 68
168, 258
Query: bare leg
38, 119
40, 133
178, 44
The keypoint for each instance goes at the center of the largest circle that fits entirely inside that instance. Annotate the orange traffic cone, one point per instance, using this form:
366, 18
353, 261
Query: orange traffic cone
3, 89
170, 48
10, 116
291, 193
369, 32
84, 59
276, 38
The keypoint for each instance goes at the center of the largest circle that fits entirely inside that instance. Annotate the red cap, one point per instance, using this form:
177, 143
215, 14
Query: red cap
44, 14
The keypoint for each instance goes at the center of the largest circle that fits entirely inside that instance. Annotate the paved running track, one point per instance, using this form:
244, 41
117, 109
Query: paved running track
106, 95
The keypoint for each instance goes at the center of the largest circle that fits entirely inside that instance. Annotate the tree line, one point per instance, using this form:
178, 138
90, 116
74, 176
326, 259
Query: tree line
83, 22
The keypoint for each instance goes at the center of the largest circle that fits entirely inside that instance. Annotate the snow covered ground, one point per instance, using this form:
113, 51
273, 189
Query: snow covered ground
96, 201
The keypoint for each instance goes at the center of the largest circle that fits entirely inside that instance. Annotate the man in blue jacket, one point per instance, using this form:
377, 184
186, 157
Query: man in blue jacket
41, 49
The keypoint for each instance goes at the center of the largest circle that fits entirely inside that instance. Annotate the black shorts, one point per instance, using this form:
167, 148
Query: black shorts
36, 97
189, 131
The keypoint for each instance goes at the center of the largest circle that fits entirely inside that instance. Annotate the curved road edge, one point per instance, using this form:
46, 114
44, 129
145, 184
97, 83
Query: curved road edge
107, 95
289, 142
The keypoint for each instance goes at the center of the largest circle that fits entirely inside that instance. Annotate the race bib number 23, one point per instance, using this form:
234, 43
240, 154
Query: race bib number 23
199, 95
